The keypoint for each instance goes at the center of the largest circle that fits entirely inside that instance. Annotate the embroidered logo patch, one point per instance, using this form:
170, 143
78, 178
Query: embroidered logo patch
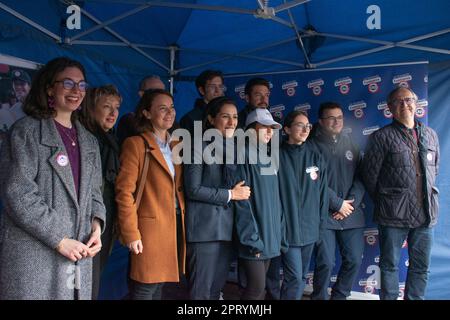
313, 172
349, 155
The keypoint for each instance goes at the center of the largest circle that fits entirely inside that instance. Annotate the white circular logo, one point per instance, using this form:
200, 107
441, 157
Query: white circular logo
359, 113
317, 90
429, 156
313, 175
344, 89
290, 91
368, 289
387, 113
349, 155
420, 112
373, 87
371, 240
62, 160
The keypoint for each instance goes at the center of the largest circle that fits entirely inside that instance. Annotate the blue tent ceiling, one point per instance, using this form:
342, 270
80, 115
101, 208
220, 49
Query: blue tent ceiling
138, 34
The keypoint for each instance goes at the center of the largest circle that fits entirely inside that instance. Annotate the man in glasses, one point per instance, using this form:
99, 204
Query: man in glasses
209, 86
345, 223
400, 166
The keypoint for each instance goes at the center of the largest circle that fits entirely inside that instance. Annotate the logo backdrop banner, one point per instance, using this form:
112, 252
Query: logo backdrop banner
362, 93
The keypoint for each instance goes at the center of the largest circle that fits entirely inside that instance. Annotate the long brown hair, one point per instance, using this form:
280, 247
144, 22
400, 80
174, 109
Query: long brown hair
145, 103
36, 102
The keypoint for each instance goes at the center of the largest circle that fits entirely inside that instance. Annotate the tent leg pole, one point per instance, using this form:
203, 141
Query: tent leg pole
172, 68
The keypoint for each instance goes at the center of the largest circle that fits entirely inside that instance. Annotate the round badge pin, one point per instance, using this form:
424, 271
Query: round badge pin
313, 175
429, 157
62, 160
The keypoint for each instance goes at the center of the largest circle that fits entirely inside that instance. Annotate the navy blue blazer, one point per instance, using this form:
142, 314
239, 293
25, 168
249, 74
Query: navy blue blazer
209, 215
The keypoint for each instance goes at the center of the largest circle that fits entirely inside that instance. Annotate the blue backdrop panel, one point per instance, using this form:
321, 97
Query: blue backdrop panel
362, 93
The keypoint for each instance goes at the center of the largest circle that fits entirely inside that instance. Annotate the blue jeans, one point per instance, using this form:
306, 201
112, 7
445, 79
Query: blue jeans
296, 267
273, 279
351, 248
419, 250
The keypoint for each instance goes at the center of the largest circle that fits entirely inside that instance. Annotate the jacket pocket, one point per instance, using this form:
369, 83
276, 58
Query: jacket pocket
400, 158
434, 203
393, 203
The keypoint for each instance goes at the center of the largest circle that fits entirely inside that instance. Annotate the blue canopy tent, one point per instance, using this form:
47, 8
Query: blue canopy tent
120, 41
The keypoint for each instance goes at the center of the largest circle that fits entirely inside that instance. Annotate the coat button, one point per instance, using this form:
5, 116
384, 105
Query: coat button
225, 207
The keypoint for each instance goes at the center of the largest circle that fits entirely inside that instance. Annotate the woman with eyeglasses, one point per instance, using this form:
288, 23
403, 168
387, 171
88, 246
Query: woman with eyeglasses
304, 198
209, 209
98, 114
53, 212
154, 230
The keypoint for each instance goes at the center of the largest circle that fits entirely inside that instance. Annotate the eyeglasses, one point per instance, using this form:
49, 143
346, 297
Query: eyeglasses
302, 126
334, 119
69, 84
216, 87
409, 101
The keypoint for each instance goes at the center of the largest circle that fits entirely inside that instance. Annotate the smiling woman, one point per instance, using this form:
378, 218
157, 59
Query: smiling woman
53, 210
99, 114
152, 228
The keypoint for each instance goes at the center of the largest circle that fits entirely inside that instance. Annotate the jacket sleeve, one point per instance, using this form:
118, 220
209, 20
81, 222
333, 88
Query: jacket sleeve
193, 176
284, 240
324, 197
19, 168
245, 223
126, 185
372, 163
98, 207
357, 189
335, 202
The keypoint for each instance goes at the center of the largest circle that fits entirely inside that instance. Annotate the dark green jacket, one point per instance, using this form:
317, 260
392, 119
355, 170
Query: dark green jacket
304, 192
343, 161
259, 221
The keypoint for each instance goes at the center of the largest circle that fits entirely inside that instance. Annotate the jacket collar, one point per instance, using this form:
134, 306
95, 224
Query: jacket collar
156, 152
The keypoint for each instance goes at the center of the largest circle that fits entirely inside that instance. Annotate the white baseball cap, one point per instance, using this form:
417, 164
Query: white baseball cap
262, 116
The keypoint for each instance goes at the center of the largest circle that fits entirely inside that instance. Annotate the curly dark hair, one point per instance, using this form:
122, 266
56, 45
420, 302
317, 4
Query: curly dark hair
36, 102
145, 103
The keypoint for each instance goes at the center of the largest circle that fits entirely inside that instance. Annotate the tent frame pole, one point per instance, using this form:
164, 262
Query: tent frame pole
121, 38
30, 22
172, 71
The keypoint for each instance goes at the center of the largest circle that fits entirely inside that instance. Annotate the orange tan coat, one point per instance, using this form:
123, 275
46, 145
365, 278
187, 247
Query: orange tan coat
154, 222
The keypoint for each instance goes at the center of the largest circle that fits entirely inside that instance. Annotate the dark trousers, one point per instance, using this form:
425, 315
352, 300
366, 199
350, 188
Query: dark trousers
273, 279
351, 248
208, 264
145, 291
295, 266
419, 250
255, 274
101, 258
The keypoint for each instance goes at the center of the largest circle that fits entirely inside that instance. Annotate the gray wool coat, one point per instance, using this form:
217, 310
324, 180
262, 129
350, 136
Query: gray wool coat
41, 207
